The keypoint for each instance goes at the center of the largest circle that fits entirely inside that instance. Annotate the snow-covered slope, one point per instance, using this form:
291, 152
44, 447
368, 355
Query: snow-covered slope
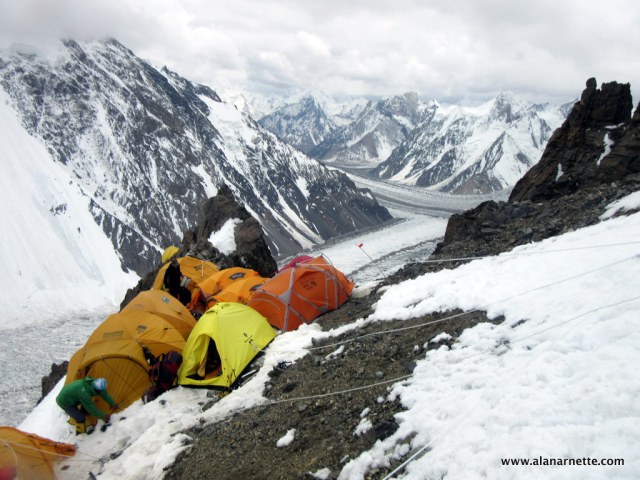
55, 257
537, 386
148, 147
303, 124
474, 150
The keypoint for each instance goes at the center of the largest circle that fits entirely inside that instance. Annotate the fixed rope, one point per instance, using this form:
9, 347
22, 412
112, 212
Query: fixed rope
497, 302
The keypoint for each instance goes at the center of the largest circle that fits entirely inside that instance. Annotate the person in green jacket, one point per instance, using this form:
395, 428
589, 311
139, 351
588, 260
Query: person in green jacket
76, 399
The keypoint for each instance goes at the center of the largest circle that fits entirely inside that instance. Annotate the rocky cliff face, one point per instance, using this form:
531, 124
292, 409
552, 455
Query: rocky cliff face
591, 161
148, 148
598, 143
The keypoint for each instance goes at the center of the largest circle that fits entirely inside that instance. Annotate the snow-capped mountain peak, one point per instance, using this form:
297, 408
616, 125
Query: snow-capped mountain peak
478, 149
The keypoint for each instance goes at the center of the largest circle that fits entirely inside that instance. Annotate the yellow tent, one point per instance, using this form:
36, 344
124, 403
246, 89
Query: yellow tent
221, 345
115, 351
194, 268
169, 253
166, 306
27, 456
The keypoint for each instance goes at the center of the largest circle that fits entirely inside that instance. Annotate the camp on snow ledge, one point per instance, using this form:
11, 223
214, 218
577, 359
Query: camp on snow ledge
222, 344
301, 292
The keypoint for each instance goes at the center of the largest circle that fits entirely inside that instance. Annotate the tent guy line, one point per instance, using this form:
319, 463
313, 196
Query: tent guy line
484, 352
497, 302
338, 392
509, 255
465, 415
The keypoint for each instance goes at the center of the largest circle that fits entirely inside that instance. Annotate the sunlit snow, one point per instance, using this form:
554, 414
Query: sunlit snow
556, 379
224, 239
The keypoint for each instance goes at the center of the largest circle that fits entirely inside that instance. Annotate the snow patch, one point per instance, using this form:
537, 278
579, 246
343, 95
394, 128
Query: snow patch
224, 239
444, 336
303, 186
607, 143
363, 427
625, 204
287, 439
322, 474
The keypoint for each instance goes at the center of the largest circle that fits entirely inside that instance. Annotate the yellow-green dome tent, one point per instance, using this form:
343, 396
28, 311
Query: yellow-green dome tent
221, 345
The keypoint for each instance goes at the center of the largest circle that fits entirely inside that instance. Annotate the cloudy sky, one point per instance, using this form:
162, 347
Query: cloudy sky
443, 49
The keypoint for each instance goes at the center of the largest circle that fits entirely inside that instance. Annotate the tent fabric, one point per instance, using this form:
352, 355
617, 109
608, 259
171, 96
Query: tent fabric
115, 351
166, 306
301, 293
195, 268
202, 296
295, 261
229, 331
239, 291
28, 456
169, 253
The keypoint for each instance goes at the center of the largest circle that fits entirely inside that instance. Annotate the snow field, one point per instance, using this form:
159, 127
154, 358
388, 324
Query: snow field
556, 379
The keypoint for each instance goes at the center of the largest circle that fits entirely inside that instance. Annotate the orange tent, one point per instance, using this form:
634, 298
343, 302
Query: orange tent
301, 293
295, 261
116, 351
166, 306
202, 296
239, 291
27, 456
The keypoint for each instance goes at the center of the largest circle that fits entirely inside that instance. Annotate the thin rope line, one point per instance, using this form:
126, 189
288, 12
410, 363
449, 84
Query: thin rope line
393, 330
511, 254
487, 351
339, 392
432, 322
22, 446
15, 456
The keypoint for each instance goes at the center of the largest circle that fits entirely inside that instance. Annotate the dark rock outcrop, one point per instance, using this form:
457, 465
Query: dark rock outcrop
589, 162
48, 382
579, 152
251, 247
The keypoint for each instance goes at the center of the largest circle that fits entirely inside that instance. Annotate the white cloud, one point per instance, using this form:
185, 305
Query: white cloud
458, 48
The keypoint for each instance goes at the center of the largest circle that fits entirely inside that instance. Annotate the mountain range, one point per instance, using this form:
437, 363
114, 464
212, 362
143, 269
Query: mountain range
146, 148
454, 148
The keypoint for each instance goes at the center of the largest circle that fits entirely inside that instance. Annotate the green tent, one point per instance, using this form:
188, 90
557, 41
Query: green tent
221, 345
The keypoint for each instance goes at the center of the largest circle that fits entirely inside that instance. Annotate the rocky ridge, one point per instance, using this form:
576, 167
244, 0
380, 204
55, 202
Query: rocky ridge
244, 445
